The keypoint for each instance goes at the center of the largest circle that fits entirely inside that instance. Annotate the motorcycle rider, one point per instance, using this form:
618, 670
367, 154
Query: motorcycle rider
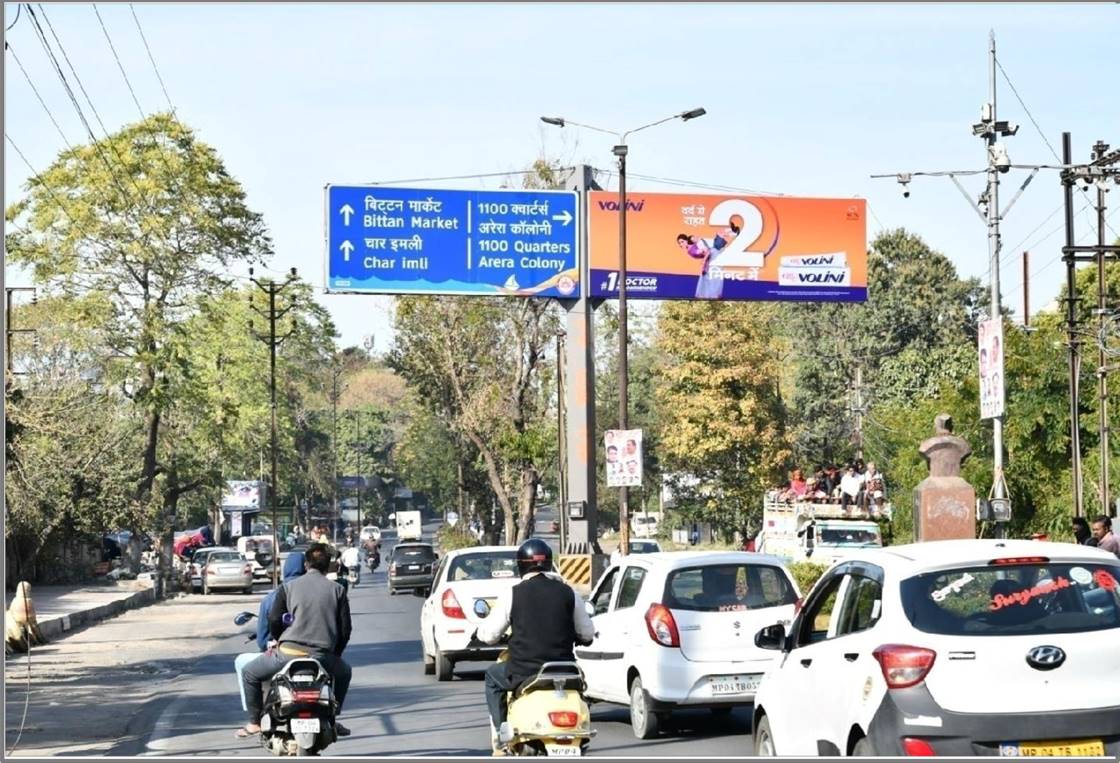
319, 627
547, 618
351, 559
293, 568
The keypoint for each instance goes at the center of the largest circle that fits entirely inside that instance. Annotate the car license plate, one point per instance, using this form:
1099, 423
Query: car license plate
413, 567
743, 684
572, 750
1068, 748
305, 725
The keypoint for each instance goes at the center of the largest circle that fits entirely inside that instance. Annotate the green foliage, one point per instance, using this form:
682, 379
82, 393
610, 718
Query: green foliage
722, 416
450, 538
807, 574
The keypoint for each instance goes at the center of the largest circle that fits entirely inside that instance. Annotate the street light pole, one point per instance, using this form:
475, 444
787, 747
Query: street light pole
560, 470
621, 150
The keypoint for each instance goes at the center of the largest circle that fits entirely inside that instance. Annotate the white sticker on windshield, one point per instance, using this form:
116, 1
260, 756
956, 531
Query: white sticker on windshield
955, 587
502, 574
1081, 575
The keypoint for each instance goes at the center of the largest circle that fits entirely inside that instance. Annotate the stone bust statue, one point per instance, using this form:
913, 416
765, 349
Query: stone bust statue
944, 452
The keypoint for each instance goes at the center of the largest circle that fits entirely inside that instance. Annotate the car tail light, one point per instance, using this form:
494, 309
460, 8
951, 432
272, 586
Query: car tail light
565, 719
798, 605
306, 695
211, 569
1020, 560
393, 568
662, 627
247, 569
902, 665
916, 747
451, 606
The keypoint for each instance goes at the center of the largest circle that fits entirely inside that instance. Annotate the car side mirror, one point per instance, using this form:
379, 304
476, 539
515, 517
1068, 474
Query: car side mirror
771, 637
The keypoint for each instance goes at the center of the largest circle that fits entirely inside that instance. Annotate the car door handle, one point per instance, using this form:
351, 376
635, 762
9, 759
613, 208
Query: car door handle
807, 662
851, 656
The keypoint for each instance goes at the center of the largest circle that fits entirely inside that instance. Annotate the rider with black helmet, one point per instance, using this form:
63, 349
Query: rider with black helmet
547, 619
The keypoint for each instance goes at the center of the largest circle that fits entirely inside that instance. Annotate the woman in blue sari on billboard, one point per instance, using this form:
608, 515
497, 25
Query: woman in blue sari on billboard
708, 286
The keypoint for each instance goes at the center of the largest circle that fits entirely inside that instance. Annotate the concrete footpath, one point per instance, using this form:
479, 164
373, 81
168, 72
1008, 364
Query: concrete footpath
63, 608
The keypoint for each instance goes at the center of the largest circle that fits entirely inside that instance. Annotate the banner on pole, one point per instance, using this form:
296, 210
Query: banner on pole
624, 457
990, 346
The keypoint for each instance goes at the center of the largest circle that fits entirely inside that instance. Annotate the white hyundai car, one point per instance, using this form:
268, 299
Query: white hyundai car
962, 648
450, 613
677, 630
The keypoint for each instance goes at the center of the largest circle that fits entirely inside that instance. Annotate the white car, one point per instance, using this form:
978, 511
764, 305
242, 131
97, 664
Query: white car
677, 630
370, 532
960, 648
637, 547
449, 616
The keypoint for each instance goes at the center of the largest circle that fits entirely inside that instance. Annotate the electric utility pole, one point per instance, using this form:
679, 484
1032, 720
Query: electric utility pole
272, 315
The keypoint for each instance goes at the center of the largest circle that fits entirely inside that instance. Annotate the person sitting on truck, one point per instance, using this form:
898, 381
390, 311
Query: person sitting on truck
874, 489
851, 488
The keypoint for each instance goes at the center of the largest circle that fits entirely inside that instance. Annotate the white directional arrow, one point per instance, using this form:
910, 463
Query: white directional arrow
346, 211
565, 217
346, 248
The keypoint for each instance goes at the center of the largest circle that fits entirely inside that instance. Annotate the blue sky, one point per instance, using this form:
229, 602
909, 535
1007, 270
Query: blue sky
802, 99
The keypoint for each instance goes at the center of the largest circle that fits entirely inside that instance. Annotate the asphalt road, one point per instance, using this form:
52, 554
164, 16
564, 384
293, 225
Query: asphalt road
392, 707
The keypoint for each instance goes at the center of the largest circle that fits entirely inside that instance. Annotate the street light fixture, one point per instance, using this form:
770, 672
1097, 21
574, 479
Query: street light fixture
621, 150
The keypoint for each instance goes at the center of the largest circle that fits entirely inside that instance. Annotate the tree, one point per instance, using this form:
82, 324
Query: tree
722, 418
146, 219
917, 307
476, 362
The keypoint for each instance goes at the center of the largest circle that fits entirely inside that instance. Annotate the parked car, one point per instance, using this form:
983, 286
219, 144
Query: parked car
226, 569
449, 616
677, 629
637, 547
198, 561
412, 567
960, 648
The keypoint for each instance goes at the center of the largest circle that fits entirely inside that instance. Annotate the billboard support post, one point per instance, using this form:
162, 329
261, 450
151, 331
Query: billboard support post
582, 534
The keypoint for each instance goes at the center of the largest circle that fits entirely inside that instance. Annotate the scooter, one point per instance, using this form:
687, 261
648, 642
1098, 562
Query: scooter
373, 559
299, 706
353, 575
547, 714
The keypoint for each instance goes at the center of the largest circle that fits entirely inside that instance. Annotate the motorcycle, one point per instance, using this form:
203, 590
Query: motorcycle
546, 714
299, 706
353, 575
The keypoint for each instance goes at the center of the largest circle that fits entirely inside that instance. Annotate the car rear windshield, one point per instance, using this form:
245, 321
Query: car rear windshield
223, 556
1029, 599
848, 537
728, 588
414, 553
501, 564
643, 548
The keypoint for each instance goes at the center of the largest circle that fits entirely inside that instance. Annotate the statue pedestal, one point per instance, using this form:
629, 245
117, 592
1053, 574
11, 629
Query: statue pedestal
944, 504
944, 509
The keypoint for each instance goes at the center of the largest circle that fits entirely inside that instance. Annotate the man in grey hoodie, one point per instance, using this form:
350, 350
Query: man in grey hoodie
319, 627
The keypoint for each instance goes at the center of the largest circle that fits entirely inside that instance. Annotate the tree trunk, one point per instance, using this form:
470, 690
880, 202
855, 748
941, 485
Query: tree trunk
527, 500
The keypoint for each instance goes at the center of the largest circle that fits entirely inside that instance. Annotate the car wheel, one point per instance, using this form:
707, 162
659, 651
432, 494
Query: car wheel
863, 749
429, 661
247, 590
763, 739
443, 666
643, 718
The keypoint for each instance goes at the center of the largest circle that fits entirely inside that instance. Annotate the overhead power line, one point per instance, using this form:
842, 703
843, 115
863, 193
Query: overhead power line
35, 90
151, 58
117, 58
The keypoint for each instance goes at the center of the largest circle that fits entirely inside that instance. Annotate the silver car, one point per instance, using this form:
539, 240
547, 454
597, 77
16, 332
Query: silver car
226, 569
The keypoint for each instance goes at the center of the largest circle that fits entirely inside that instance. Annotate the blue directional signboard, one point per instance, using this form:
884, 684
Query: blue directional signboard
431, 241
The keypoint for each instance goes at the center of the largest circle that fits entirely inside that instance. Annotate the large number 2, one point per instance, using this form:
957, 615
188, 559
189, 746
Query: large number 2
735, 254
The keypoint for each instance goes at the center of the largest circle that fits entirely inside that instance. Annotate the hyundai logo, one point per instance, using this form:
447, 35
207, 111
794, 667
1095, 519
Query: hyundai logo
1045, 657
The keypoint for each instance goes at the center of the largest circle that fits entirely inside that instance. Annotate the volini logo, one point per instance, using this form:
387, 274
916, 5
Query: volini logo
631, 206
